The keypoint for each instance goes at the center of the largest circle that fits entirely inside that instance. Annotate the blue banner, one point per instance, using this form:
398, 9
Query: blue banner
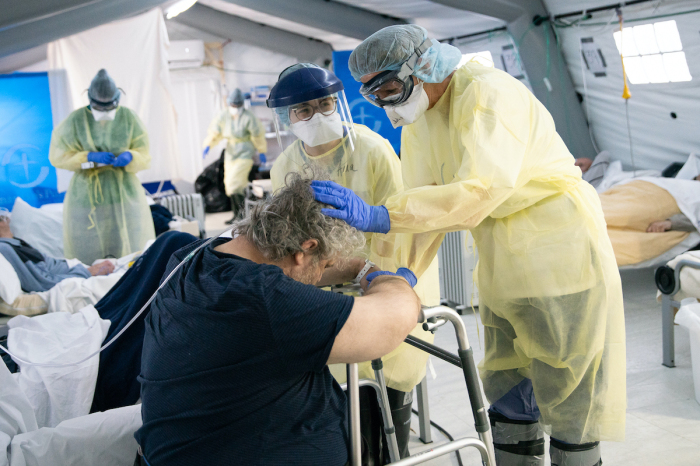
25, 134
362, 111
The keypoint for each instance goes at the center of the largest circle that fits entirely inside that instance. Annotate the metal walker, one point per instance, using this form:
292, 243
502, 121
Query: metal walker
431, 318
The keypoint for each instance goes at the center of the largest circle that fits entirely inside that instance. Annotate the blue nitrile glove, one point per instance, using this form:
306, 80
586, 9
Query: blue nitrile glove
124, 159
351, 208
263, 159
101, 157
206, 151
403, 272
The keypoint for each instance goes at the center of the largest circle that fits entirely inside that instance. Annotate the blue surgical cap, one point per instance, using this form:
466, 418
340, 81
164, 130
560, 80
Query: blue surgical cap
391, 47
103, 92
236, 98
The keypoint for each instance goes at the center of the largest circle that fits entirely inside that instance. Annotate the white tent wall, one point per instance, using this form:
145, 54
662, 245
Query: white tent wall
492, 42
252, 66
657, 138
134, 52
198, 97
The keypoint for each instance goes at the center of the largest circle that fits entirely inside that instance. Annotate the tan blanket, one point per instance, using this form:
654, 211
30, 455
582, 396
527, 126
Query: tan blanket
629, 209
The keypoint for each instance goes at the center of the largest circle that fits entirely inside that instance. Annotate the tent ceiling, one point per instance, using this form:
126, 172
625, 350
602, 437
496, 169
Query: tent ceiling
338, 41
441, 21
22, 29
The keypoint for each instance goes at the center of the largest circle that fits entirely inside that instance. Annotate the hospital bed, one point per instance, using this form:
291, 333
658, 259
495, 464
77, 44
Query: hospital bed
677, 280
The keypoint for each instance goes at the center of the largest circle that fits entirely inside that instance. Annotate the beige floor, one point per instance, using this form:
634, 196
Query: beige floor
663, 418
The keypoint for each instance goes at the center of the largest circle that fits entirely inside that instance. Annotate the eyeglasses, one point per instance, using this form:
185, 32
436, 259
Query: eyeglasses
325, 107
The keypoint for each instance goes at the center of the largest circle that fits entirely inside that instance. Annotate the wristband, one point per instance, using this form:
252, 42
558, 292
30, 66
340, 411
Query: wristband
368, 265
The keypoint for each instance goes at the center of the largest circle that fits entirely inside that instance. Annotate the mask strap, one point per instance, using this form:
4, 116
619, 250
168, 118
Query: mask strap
409, 65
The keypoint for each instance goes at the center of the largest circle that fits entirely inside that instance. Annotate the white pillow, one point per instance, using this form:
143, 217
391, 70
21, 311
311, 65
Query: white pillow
10, 287
41, 228
690, 169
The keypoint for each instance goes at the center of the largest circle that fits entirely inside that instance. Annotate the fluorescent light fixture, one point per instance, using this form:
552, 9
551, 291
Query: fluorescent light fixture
483, 58
653, 53
677, 67
178, 8
667, 36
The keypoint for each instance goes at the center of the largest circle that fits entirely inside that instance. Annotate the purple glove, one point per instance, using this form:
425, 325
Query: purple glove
403, 272
124, 159
351, 208
101, 157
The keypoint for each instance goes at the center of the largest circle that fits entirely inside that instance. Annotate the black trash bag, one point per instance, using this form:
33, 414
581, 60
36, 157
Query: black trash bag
672, 170
210, 184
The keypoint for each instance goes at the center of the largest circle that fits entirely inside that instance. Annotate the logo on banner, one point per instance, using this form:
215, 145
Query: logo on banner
25, 169
366, 113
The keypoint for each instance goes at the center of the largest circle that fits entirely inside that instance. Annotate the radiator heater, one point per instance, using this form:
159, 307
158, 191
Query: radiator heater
457, 257
189, 206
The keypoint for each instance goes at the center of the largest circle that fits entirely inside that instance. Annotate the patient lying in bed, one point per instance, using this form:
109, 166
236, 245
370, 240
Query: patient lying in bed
37, 271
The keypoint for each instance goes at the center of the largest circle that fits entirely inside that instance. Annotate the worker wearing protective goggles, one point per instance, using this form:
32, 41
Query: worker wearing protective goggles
310, 103
479, 152
105, 211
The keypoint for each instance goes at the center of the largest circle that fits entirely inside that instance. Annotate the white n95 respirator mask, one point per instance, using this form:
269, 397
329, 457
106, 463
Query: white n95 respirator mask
104, 116
233, 111
409, 111
320, 129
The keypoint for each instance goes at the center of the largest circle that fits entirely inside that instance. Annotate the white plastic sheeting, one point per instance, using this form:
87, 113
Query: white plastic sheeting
105, 439
134, 52
57, 394
657, 138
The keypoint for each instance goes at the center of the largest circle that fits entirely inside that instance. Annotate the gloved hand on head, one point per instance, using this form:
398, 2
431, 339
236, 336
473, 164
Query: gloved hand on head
351, 208
403, 272
107, 158
123, 160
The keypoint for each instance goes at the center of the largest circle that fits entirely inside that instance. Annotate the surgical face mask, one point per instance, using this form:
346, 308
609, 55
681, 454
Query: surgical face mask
233, 111
104, 116
409, 111
320, 129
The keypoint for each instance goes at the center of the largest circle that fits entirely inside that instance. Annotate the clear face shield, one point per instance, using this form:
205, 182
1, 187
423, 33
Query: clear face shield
315, 122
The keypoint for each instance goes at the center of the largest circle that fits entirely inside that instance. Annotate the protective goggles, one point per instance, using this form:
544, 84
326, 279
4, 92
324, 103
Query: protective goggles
394, 87
104, 106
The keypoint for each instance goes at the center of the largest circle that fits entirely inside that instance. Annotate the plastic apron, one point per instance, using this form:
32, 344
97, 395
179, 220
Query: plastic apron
105, 211
373, 171
244, 136
550, 292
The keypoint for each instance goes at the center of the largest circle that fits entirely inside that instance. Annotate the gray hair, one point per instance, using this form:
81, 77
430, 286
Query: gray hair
278, 226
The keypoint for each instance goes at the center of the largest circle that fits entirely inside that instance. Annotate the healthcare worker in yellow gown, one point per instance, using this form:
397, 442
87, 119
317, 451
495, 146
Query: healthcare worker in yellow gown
481, 153
245, 136
355, 157
105, 211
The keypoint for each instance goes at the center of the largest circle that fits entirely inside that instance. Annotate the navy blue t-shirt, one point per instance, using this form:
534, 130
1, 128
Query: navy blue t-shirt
234, 367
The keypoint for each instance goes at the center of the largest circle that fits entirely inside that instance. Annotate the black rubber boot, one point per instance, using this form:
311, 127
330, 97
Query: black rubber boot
517, 443
566, 454
237, 207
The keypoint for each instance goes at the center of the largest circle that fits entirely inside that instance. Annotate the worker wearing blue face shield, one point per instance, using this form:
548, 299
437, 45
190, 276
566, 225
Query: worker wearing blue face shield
480, 153
245, 136
310, 103
105, 210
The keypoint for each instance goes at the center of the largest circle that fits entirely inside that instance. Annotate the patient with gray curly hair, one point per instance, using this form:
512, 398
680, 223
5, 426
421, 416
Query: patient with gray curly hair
234, 365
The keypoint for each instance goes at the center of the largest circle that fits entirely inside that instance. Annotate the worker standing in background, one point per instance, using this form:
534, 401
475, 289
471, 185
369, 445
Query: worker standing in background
244, 136
105, 211
308, 100
481, 153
